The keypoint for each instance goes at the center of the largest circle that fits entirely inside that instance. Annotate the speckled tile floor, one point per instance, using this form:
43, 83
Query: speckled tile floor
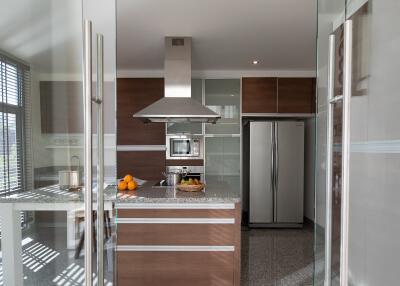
272, 257
47, 261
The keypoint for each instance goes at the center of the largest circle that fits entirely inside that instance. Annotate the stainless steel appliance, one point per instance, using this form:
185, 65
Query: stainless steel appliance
177, 105
276, 173
186, 172
184, 147
174, 176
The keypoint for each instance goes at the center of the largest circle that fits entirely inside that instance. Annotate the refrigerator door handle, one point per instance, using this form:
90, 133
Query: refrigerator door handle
275, 168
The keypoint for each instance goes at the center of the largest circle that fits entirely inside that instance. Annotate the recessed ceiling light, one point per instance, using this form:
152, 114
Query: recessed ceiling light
255, 62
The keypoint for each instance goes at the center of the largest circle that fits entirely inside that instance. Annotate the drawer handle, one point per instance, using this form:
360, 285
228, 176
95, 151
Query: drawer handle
175, 220
174, 248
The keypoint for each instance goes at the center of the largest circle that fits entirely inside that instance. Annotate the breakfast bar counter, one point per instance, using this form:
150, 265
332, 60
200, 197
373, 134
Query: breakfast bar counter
169, 237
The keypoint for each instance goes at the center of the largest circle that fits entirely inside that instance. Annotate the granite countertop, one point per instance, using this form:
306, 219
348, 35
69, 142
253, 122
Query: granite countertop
147, 193
53, 194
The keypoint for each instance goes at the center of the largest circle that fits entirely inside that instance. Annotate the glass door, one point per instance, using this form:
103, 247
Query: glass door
358, 148
51, 232
373, 195
328, 194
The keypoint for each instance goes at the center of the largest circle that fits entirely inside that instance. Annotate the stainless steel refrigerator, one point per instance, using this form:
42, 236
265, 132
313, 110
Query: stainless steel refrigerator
276, 173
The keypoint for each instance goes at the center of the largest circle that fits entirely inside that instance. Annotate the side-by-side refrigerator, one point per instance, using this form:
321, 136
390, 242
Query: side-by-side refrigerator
276, 173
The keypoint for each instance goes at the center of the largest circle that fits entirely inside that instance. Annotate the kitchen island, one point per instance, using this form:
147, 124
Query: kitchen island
169, 237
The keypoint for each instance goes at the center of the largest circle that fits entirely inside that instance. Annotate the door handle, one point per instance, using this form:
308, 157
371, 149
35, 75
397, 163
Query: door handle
347, 86
329, 157
87, 103
100, 158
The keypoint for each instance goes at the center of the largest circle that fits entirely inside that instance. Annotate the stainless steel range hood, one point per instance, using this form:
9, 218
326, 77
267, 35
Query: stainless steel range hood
177, 104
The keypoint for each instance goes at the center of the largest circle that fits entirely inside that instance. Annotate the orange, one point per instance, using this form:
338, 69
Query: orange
132, 185
122, 185
128, 178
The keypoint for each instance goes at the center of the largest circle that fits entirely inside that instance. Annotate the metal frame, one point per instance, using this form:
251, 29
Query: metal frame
347, 85
100, 157
87, 102
329, 158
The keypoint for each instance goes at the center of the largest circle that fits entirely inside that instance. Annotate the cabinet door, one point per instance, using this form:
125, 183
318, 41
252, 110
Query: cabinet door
259, 95
296, 95
223, 96
134, 94
222, 161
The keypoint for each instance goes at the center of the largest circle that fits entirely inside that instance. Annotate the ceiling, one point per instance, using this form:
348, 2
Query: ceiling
227, 34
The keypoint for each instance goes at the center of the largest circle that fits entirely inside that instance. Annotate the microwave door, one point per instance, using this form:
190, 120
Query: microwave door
180, 148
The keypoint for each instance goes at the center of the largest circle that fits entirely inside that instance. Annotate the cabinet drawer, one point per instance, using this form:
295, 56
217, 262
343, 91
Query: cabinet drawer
176, 213
176, 234
195, 268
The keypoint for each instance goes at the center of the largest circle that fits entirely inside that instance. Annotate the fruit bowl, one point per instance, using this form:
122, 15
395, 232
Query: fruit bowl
190, 188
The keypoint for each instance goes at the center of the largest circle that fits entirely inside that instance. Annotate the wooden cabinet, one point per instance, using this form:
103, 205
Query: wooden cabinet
146, 165
296, 95
134, 94
61, 107
278, 95
178, 246
259, 95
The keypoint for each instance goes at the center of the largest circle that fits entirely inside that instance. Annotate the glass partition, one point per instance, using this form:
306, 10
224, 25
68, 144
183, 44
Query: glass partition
42, 141
328, 198
374, 165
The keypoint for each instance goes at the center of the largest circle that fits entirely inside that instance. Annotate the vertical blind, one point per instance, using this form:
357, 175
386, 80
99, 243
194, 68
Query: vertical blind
14, 85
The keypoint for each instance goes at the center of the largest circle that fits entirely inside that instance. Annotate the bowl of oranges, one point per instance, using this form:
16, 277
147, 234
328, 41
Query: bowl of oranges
128, 183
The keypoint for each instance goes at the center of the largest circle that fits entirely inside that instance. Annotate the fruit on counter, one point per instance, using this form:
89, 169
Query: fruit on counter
128, 178
191, 182
127, 183
122, 185
132, 185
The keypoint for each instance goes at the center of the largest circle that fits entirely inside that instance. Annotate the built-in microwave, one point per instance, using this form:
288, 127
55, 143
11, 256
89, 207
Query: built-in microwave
184, 147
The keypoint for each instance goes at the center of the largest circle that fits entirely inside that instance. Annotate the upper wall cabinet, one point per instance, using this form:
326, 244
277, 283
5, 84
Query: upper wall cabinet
296, 95
278, 95
259, 95
134, 94
61, 107
223, 97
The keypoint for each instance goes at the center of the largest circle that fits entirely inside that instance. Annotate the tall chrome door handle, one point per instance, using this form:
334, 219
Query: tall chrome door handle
87, 103
329, 157
347, 85
100, 159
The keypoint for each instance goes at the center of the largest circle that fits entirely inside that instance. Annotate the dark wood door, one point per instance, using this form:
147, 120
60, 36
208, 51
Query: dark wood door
296, 95
259, 95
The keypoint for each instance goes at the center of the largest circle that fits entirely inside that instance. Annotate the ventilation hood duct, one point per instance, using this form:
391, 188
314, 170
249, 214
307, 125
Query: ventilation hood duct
177, 104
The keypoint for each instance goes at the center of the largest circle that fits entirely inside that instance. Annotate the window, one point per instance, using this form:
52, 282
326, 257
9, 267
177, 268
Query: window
13, 77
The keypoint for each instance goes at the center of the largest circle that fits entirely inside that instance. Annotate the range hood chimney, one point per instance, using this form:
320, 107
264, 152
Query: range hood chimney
177, 104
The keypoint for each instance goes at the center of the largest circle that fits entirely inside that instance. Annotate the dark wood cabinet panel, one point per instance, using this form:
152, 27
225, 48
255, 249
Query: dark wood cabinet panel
169, 268
176, 234
194, 162
133, 94
61, 107
146, 165
296, 95
61, 104
259, 95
